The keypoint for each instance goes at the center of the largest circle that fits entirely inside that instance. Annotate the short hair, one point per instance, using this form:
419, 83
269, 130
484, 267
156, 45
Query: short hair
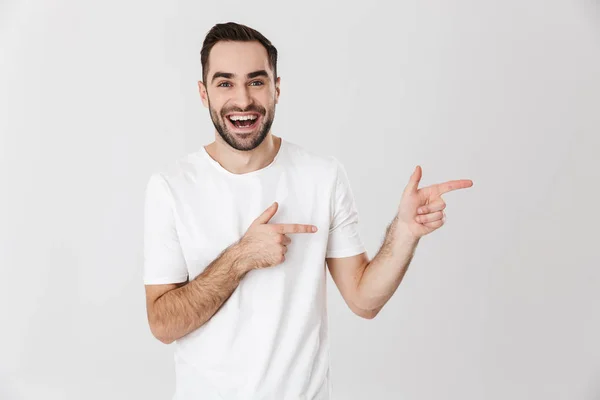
235, 32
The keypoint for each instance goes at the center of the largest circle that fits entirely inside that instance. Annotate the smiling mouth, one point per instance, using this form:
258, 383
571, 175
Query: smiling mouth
243, 122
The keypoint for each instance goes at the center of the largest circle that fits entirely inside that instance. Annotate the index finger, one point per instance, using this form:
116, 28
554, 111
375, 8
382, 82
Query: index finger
294, 228
454, 185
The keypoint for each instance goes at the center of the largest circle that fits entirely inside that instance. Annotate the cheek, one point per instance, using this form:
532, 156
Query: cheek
215, 102
216, 107
269, 99
215, 112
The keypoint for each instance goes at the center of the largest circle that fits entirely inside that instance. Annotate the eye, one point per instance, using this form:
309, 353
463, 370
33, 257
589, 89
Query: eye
223, 83
260, 83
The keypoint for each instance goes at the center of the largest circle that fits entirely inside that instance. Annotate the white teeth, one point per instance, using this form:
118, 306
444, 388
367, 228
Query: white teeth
242, 117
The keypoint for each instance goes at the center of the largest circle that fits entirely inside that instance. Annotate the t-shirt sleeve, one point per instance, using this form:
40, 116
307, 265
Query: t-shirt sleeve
163, 256
344, 237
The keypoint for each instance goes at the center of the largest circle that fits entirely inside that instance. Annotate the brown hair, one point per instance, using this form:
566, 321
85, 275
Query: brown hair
232, 31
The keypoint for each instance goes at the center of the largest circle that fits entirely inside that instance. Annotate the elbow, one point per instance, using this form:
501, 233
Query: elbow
160, 333
363, 312
165, 340
366, 314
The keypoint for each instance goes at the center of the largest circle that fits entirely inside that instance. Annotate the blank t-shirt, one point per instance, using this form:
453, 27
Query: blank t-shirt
269, 340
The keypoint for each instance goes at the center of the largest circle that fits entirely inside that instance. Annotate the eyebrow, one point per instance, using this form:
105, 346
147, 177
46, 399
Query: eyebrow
229, 75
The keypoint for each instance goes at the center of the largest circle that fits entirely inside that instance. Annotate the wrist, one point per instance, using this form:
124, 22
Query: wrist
240, 264
402, 232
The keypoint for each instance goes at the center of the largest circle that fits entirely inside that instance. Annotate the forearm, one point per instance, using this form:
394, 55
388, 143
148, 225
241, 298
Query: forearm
383, 274
183, 310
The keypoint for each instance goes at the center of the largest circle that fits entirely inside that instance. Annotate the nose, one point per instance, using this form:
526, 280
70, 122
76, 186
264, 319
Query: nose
242, 97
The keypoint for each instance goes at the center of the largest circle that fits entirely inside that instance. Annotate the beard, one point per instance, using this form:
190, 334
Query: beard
255, 138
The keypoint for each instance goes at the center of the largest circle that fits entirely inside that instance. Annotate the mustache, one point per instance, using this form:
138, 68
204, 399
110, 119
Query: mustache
255, 108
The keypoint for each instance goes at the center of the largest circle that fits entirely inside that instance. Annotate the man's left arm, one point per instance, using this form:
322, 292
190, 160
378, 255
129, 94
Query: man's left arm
365, 285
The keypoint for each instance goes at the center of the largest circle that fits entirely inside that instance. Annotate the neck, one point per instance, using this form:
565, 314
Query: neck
243, 162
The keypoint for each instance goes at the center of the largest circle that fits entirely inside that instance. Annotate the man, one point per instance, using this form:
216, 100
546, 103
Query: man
237, 235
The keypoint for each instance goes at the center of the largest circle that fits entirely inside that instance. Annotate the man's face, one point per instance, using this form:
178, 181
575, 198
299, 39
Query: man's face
240, 92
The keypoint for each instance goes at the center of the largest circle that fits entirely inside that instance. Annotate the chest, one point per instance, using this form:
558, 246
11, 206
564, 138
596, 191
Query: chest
213, 214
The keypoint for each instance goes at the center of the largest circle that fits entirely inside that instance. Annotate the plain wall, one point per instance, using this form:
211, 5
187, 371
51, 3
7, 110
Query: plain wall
500, 303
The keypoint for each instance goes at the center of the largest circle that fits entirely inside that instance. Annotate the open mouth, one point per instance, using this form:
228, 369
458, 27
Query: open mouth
243, 122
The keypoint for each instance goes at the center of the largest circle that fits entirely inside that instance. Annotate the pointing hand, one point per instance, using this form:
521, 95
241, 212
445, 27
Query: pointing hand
264, 244
422, 210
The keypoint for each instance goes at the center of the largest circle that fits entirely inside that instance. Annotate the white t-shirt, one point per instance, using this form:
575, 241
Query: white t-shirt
269, 340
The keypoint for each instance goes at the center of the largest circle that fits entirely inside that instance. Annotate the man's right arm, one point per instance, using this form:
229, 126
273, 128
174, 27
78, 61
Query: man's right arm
174, 310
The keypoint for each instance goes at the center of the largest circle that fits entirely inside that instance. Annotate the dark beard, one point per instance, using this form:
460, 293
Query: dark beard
230, 139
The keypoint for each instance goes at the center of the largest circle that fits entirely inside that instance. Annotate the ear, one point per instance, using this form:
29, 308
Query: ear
203, 93
277, 89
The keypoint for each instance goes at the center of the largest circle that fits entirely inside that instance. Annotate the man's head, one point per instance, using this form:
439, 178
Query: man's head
239, 83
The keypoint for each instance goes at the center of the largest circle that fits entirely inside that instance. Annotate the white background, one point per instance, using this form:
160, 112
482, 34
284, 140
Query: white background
502, 302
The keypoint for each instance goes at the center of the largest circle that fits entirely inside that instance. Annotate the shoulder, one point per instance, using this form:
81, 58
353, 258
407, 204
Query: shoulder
179, 172
314, 161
